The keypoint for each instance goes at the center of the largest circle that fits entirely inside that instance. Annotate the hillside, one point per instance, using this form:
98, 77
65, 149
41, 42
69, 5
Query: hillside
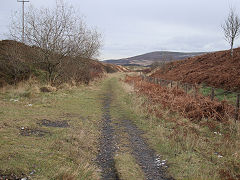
149, 58
217, 69
18, 62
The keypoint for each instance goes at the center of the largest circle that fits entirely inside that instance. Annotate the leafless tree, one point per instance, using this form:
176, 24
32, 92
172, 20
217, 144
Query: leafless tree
57, 34
231, 28
162, 63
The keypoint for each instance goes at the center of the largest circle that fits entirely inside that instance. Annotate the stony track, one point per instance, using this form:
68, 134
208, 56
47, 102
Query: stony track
144, 155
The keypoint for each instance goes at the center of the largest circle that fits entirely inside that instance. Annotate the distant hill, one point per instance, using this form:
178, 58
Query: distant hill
216, 69
149, 58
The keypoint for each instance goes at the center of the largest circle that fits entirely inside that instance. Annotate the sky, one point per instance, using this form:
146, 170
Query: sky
133, 27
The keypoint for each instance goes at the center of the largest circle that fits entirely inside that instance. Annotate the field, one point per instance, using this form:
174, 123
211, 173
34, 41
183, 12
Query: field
49, 135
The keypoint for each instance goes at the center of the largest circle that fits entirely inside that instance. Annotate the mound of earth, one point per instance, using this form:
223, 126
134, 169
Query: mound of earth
18, 62
218, 69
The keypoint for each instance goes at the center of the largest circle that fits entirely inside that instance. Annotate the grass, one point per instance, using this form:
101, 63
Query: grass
193, 151
127, 167
61, 153
220, 94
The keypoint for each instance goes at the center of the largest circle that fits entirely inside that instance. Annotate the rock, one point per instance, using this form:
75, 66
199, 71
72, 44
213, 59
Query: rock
33, 172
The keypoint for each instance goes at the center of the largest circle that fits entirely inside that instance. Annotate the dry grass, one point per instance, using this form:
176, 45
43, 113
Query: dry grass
57, 153
205, 150
127, 167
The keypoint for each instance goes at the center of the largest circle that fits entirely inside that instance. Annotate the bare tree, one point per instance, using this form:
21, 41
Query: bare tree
231, 28
57, 34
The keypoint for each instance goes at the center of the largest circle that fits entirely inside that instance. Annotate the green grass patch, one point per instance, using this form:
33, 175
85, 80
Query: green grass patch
220, 94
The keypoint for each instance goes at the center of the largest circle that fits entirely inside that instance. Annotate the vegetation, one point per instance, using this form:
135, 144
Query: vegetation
212, 69
205, 149
51, 122
220, 94
127, 167
50, 135
17, 64
58, 39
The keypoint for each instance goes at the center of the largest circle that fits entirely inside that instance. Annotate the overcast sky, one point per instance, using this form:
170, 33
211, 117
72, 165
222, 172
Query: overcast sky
132, 27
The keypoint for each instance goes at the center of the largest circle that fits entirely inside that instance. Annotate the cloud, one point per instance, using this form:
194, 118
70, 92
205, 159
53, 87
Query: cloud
132, 27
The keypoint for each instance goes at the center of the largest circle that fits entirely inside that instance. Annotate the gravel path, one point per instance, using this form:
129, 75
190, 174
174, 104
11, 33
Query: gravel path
144, 155
107, 145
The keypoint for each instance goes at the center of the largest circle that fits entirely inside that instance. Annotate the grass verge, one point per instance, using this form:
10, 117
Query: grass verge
192, 150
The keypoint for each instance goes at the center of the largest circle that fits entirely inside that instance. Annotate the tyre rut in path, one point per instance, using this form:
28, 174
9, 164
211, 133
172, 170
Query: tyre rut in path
107, 142
144, 155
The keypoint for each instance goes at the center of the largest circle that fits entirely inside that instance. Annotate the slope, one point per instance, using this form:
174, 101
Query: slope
18, 62
217, 69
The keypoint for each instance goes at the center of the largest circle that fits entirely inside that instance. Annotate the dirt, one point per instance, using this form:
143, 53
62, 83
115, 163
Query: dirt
146, 157
33, 132
10, 176
59, 124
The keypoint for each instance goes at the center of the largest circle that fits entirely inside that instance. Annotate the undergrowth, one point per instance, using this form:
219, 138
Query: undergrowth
204, 147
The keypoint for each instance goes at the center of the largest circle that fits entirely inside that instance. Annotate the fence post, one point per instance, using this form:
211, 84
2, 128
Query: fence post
212, 94
186, 88
237, 108
195, 91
